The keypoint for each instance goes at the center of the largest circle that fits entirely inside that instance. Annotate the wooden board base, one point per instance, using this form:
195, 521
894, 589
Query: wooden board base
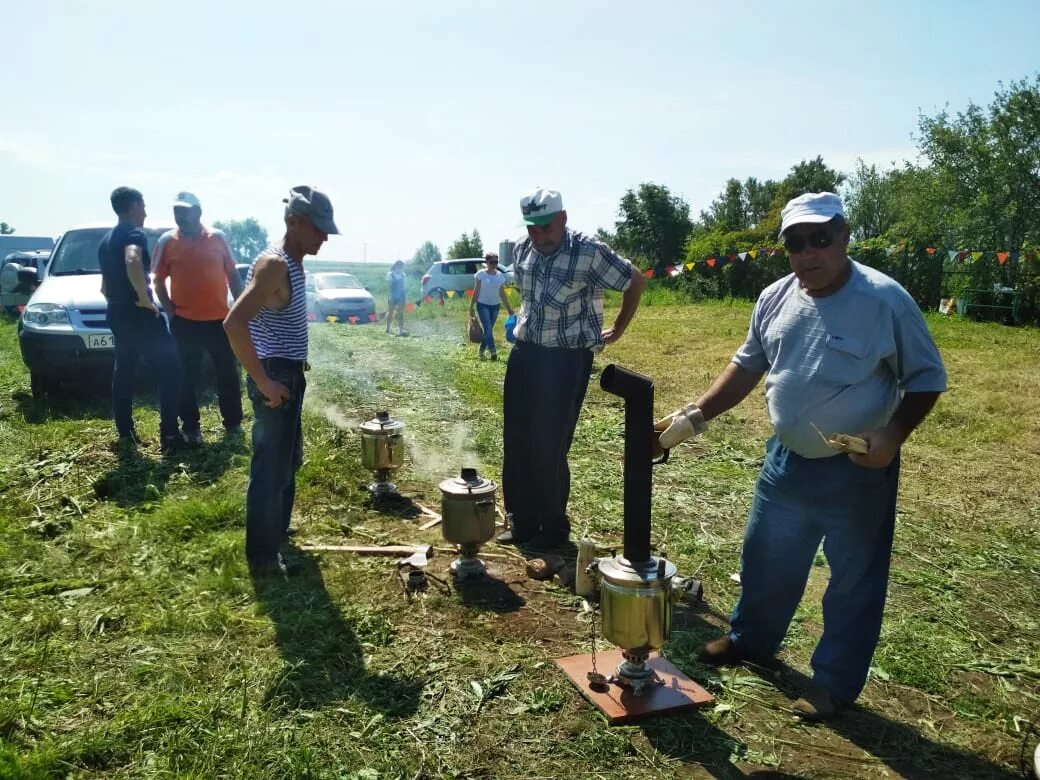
618, 704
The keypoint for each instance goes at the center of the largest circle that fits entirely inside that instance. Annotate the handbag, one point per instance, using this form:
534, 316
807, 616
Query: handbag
476, 332
509, 326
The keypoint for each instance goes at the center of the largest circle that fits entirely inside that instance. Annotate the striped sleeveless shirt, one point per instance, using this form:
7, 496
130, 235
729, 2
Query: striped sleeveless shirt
282, 333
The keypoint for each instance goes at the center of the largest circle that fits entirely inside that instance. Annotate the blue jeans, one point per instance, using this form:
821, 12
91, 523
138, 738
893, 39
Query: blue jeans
799, 501
277, 455
141, 334
544, 390
488, 313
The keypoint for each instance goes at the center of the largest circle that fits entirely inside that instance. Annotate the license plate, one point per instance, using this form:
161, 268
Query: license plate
101, 341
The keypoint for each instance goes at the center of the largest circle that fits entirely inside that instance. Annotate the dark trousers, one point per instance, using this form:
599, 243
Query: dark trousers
193, 338
544, 390
277, 455
143, 335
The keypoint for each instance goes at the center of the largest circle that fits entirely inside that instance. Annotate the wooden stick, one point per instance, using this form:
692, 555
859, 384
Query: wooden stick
426, 510
390, 549
430, 524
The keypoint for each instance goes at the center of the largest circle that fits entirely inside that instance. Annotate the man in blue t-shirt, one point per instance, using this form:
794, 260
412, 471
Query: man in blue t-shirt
139, 328
843, 349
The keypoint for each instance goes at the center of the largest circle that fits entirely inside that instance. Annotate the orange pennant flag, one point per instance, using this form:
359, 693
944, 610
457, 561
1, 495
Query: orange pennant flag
352, 319
711, 262
930, 250
649, 273
372, 316
1002, 257
409, 307
469, 293
427, 299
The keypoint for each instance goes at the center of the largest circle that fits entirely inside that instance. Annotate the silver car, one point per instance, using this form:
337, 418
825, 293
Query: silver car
338, 295
63, 332
455, 275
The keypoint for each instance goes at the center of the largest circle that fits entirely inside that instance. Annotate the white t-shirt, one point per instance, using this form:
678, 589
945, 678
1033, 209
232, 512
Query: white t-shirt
490, 284
840, 362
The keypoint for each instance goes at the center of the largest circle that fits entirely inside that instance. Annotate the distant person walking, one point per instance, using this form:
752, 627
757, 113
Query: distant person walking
267, 328
198, 263
488, 293
139, 329
397, 290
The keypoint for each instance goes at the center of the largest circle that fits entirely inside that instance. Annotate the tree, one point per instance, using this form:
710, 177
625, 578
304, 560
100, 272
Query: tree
246, 237
5, 229
425, 256
653, 225
987, 162
870, 201
466, 246
810, 176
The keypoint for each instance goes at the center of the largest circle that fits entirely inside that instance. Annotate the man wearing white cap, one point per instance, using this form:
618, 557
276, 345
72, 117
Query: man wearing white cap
844, 350
198, 263
561, 276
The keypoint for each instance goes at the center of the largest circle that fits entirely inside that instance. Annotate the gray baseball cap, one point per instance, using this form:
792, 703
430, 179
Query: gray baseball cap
312, 204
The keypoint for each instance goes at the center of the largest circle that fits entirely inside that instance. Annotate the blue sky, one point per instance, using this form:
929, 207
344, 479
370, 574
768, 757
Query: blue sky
426, 119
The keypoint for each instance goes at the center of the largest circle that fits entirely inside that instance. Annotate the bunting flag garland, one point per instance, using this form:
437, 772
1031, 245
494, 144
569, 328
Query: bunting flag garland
451, 293
373, 317
352, 319
409, 307
427, 299
469, 293
953, 255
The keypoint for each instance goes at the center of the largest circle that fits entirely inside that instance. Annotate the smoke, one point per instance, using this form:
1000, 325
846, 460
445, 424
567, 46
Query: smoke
441, 462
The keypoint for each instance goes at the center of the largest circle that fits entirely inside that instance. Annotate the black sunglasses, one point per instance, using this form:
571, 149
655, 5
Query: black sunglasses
820, 238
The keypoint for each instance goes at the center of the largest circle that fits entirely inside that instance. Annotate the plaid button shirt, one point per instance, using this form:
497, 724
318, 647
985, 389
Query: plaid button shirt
563, 293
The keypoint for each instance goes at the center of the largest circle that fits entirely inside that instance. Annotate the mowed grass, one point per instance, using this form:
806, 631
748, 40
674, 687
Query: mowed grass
134, 644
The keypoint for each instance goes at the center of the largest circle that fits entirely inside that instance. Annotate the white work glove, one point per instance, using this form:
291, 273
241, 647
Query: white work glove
680, 425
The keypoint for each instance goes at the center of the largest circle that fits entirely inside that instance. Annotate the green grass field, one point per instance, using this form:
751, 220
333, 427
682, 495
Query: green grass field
133, 642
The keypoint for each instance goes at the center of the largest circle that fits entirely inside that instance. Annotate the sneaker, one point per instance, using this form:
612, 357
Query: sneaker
494, 356
720, 652
818, 704
193, 438
129, 439
481, 355
173, 443
510, 537
279, 567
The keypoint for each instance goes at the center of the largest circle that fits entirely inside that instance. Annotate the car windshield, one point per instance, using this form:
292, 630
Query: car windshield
335, 281
77, 252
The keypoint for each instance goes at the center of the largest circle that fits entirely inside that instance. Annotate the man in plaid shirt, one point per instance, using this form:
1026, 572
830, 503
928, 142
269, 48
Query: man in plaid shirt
561, 276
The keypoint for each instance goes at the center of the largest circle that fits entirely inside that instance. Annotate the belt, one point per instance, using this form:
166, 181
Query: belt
295, 365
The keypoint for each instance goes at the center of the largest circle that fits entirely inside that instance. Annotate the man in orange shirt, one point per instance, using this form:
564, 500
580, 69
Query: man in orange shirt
197, 260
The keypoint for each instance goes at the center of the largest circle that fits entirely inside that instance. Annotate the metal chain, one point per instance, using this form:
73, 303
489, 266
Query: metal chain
597, 681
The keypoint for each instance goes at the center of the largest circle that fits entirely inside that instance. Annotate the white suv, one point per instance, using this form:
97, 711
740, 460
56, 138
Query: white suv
455, 275
64, 331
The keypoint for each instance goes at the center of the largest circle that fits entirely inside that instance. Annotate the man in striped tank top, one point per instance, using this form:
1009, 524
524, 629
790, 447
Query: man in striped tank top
267, 328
